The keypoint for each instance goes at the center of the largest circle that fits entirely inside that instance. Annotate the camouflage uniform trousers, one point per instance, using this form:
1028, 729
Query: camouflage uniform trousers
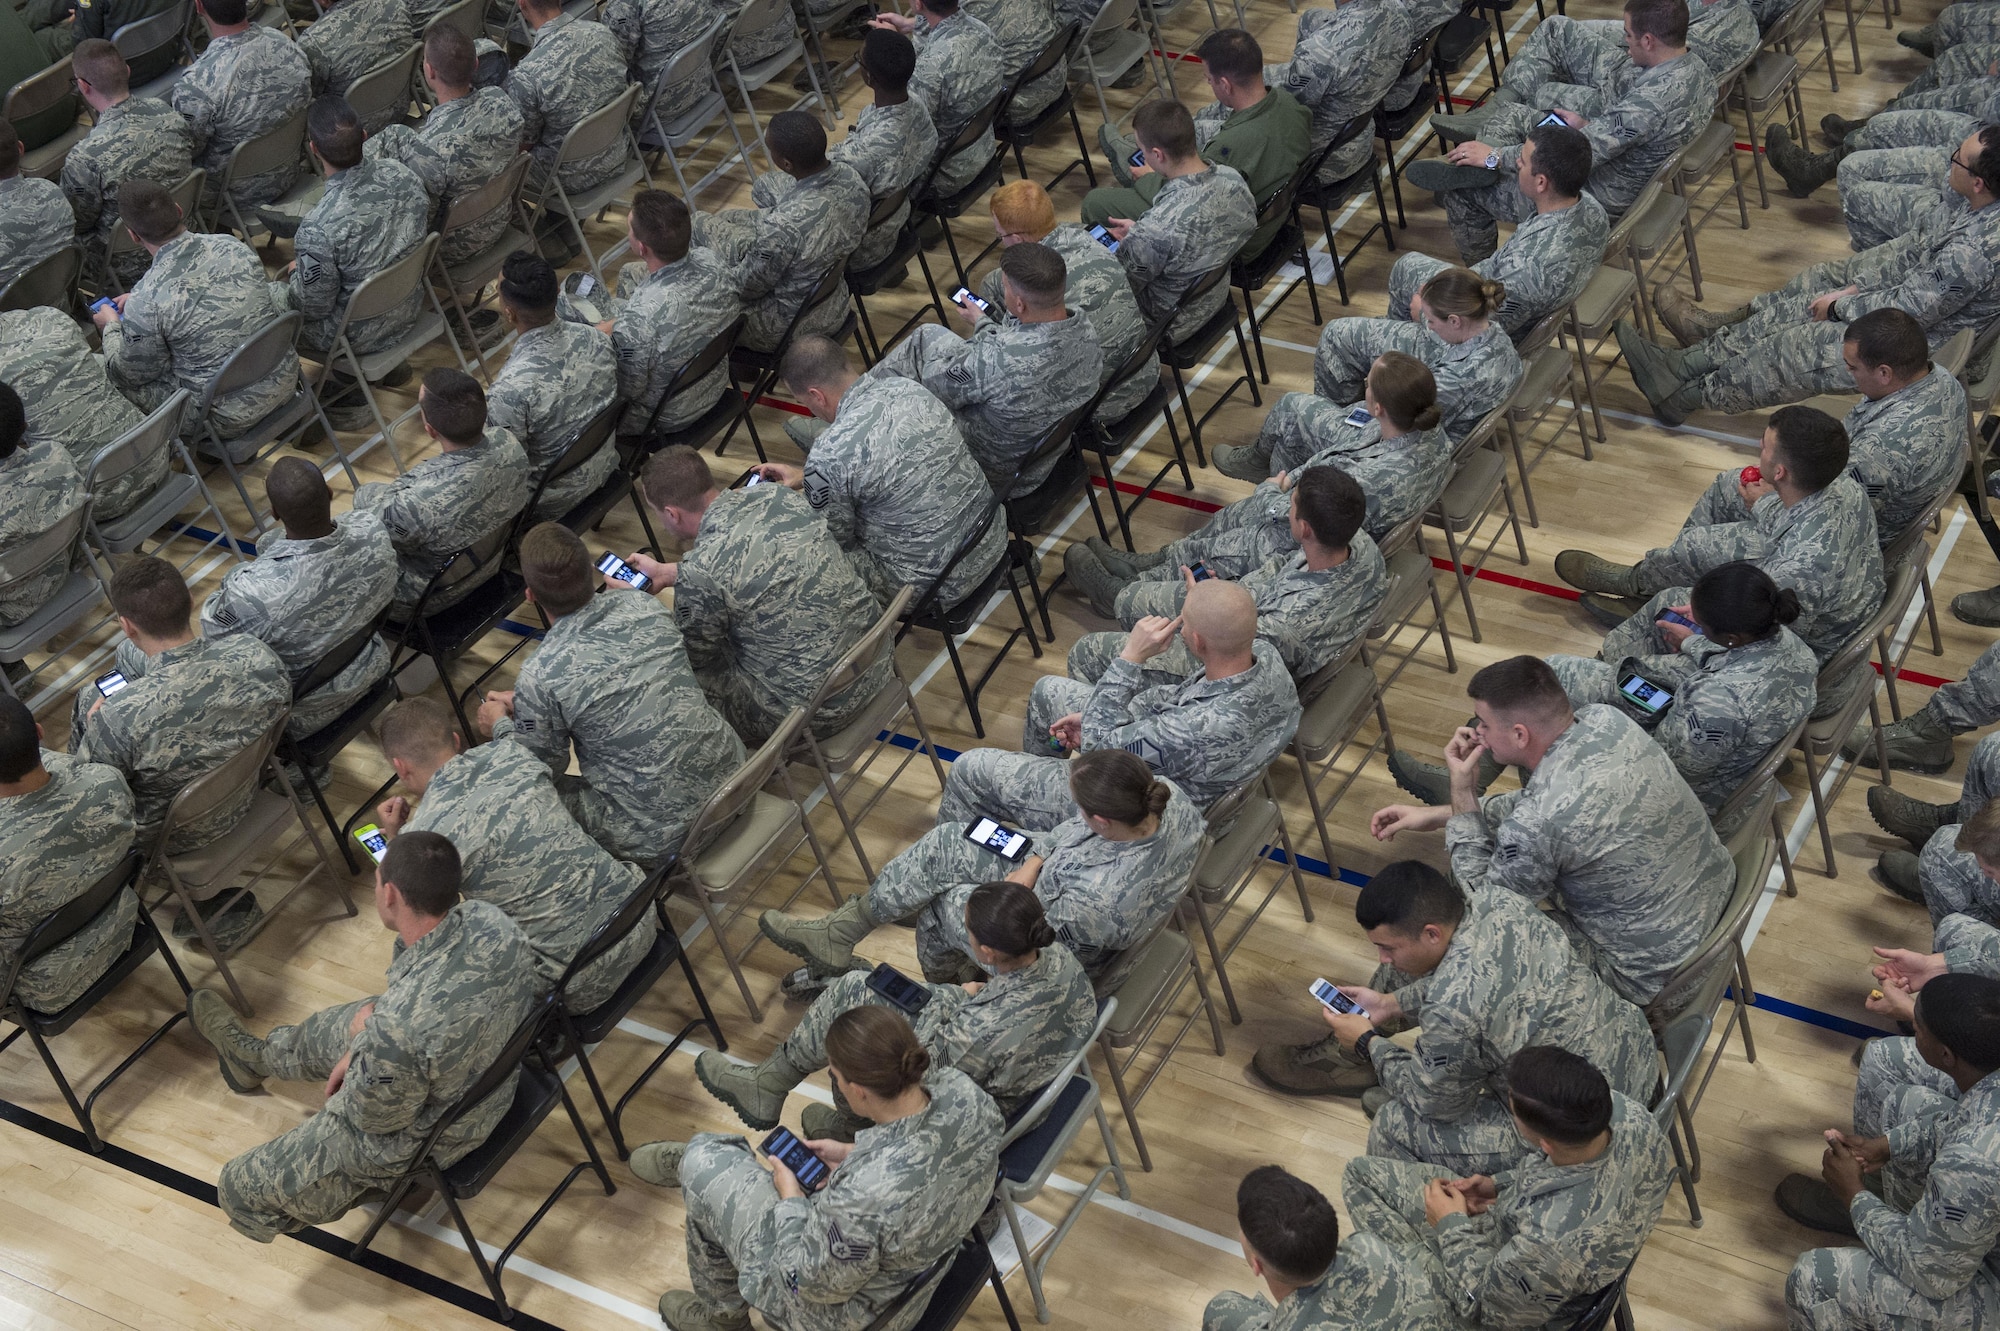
1238, 540
1022, 789
1094, 652
1972, 702
1475, 213
930, 883
1844, 1289
1889, 192
1952, 882
732, 1221
1301, 424
1895, 1086
1052, 698
1640, 635
1386, 1198
602, 822
805, 1047
1718, 529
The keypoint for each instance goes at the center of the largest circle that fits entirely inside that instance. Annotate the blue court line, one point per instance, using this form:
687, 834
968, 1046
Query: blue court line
1814, 1017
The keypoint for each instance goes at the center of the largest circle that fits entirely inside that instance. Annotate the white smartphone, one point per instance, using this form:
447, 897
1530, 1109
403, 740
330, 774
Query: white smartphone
373, 840
1334, 1000
964, 294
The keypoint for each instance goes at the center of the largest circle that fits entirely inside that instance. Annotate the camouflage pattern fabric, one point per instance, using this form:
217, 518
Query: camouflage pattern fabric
556, 379
1890, 192
1022, 28
139, 138
1264, 142
1545, 264
39, 487
56, 842
960, 68
370, 217
1965, 704
35, 222
1096, 286
461, 145
1370, 1288
243, 85
353, 38
890, 148
778, 255
69, 402
1907, 448
1969, 945
444, 504
665, 319
1952, 881
574, 68
652, 33
1346, 60
1196, 224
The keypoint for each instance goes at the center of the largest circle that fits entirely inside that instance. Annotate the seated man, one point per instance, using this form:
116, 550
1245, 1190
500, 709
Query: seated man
1906, 437
1550, 257
310, 590
521, 850
1456, 333
779, 255
1108, 868
1316, 1277
612, 679
70, 404
1261, 133
1648, 105
135, 138
1894, 167
1023, 29
1535, 1245
1785, 345
1011, 1034
1566, 64
880, 432
64, 824
1198, 220
766, 601
1927, 1237
203, 296
1483, 979
1604, 828
247, 82
477, 480
652, 33
1346, 59
1959, 865
1016, 377
35, 217
39, 487
1806, 522
350, 38
1312, 605
573, 68
558, 376
960, 69
461, 982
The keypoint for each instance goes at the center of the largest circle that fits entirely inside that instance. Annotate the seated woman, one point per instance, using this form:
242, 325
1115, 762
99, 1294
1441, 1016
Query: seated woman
894, 1202
1105, 876
1011, 1034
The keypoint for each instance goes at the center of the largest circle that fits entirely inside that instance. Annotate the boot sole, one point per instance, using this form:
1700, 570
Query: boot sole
735, 1105
1798, 1218
1876, 877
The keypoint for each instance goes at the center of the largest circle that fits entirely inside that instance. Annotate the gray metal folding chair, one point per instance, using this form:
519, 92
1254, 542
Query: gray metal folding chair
260, 357
462, 282
281, 147
593, 135
143, 447
37, 96
382, 96
62, 546
50, 281
670, 138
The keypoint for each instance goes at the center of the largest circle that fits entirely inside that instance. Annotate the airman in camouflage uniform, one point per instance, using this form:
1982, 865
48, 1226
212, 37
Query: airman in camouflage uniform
612, 679
352, 38
1921, 741
768, 604
778, 255
39, 486
1890, 192
1555, 1236
960, 68
557, 378
462, 144
1580, 55
662, 321
302, 599
56, 841
183, 713
575, 67
1346, 60
1369, 1288
1906, 447
890, 148
1101, 896
35, 222
1095, 285
652, 33
1022, 28
138, 138
454, 999
445, 503
907, 1193
1424, 16
371, 216
1198, 223
204, 296
70, 404
243, 85
1544, 265
1607, 830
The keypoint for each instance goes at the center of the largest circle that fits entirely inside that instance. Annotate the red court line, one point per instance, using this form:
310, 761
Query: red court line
1928, 681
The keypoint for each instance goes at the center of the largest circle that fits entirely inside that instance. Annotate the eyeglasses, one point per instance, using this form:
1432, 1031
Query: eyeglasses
1963, 166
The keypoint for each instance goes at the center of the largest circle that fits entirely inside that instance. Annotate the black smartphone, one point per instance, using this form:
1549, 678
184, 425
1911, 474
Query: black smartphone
1646, 696
1674, 617
111, 681
793, 1154
1199, 570
1360, 416
1138, 157
899, 989
1552, 119
1333, 999
1104, 238
611, 564
965, 294
1002, 840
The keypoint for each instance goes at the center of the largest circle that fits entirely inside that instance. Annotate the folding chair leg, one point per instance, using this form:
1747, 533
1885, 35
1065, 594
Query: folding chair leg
1215, 959
1819, 811
1686, 1177
1125, 1102
1028, 1268
715, 926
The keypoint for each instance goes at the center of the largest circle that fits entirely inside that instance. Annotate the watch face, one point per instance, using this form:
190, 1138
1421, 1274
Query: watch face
1493, 161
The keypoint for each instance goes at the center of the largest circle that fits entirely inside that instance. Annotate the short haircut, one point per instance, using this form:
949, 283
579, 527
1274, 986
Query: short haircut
557, 568
1962, 1010
1890, 337
662, 223
151, 593
20, 746
1331, 503
1023, 208
1986, 167
1812, 445
1559, 1095
416, 730
797, 137
1980, 834
1233, 54
298, 493
454, 405
675, 477
98, 63
814, 362
425, 868
1288, 1223
1037, 272
451, 54
1165, 124
10, 147
1563, 155
1406, 896
335, 131
1520, 684
148, 211
13, 421
227, 13
890, 58
1666, 21
528, 282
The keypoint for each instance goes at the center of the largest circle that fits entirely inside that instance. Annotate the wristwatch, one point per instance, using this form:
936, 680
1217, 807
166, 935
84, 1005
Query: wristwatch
1362, 1042
1493, 161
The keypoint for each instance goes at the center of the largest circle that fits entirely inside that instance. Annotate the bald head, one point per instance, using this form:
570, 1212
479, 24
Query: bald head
1219, 618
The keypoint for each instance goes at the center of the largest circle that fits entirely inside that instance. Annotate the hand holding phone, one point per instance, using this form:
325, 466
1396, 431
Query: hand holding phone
1199, 571
795, 1155
1104, 238
963, 297
373, 840
1676, 617
1333, 1000
899, 989
1002, 840
611, 566
111, 681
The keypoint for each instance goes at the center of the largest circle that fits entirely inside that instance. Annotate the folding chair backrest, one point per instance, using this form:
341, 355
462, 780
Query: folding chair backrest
860, 658
496, 195
342, 656
1952, 356
1114, 16
695, 59
1204, 284
1766, 768
38, 93
1058, 439
1399, 536
887, 207
1681, 1042
224, 785
1352, 130
186, 193
1420, 52
1055, 53
471, 566
277, 148
595, 434
138, 447
975, 128
821, 294
759, 15
889, 1314
1223, 812
141, 38
28, 560
704, 361
1031, 1114
390, 287
51, 281
468, 16
69, 919
253, 362
734, 795
598, 131
1718, 947
385, 87
509, 1060
1899, 548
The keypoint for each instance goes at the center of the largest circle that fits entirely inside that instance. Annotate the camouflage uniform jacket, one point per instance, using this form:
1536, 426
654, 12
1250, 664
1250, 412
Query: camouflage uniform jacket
351, 39
574, 68
70, 404
1399, 477
960, 68
371, 216
203, 297
1371, 1287
523, 853
303, 599
890, 148
1825, 548
35, 222
445, 503
55, 843
461, 145
1648, 116
1097, 286
667, 318
1557, 1233
1907, 448
1607, 829
1346, 60
1022, 28
1197, 224
39, 486
1951, 1237
1945, 276
858, 476
907, 1192
613, 680
1015, 1034
813, 227
1473, 377
1103, 897
1968, 944
140, 138
243, 85
652, 33
1206, 736
557, 378
1311, 618
185, 712
1547, 262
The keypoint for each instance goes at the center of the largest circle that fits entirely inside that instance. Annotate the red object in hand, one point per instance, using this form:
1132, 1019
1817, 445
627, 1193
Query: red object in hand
1751, 475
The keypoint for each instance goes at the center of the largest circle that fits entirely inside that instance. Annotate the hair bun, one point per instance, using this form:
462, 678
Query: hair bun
1785, 607
916, 1063
1428, 419
1158, 796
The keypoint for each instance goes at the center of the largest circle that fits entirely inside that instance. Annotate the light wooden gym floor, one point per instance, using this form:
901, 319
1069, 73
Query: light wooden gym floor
132, 1238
